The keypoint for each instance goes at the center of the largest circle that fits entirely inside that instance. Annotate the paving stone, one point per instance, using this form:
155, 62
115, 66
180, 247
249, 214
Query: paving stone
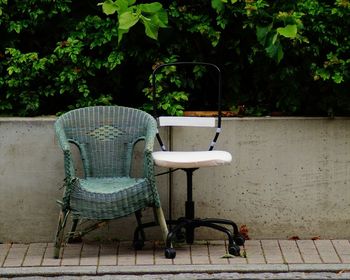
265, 254
254, 260
254, 252
183, 255
146, 255
126, 254
272, 251
89, 254
35, 254
71, 254
126, 261
342, 248
4, 249
108, 254
16, 255
239, 260
290, 251
200, 254
48, 259
308, 251
327, 252
216, 252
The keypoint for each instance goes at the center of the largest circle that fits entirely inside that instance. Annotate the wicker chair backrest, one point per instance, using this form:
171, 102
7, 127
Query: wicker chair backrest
105, 136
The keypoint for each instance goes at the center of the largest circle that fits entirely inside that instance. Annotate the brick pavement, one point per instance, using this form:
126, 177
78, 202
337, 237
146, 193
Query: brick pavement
210, 253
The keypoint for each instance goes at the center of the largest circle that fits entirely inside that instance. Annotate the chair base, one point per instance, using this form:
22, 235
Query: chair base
184, 231
189, 224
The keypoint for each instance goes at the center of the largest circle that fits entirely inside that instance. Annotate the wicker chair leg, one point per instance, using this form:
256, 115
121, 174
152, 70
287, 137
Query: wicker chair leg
62, 219
162, 223
138, 216
71, 238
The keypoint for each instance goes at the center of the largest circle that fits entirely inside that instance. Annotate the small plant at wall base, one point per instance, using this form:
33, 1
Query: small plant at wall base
290, 57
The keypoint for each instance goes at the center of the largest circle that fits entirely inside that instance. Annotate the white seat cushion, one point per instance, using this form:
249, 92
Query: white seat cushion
191, 159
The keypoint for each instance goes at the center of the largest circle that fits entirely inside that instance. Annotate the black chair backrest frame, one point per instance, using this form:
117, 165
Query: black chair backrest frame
184, 63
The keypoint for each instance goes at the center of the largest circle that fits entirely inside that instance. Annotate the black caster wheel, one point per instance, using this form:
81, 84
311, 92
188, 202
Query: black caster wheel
170, 253
239, 239
234, 250
138, 244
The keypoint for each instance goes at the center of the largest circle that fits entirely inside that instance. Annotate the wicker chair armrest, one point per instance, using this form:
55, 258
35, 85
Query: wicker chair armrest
150, 136
68, 164
148, 165
149, 145
149, 174
65, 146
61, 137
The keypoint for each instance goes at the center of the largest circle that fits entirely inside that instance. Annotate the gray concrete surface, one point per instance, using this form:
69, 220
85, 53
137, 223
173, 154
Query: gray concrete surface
290, 177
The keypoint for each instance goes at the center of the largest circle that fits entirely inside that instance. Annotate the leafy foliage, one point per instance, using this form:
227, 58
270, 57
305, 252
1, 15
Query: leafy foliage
286, 56
152, 16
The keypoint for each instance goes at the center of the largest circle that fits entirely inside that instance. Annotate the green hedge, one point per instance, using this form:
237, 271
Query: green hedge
287, 56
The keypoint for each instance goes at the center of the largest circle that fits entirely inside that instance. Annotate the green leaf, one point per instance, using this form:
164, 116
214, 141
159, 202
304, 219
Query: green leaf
128, 19
338, 78
151, 29
274, 38
114, 59
151, 7
217, 5
109, 7
290, 31
160, 19
275, 52
261, 33
122, 6
121, 32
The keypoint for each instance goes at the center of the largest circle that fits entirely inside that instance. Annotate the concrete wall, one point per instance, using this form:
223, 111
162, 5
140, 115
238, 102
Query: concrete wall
290, 176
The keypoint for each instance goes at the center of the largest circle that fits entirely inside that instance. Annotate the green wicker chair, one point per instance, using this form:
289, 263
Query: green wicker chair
106, 137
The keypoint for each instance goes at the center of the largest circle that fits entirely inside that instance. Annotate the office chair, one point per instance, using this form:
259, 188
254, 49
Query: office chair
189, 162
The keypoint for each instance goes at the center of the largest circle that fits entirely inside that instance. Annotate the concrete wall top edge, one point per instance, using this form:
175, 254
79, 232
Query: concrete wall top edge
268, 118
53, 118
28, 119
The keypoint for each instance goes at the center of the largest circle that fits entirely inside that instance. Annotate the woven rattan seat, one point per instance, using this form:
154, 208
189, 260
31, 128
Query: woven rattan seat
110, 198
105, 137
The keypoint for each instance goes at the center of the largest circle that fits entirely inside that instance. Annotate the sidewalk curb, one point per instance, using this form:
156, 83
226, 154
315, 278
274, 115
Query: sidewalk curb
192, 269
317, 267
169, 269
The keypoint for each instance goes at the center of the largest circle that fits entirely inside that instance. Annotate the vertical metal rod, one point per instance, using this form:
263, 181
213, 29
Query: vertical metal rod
170, 180
189, 206
189, 175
